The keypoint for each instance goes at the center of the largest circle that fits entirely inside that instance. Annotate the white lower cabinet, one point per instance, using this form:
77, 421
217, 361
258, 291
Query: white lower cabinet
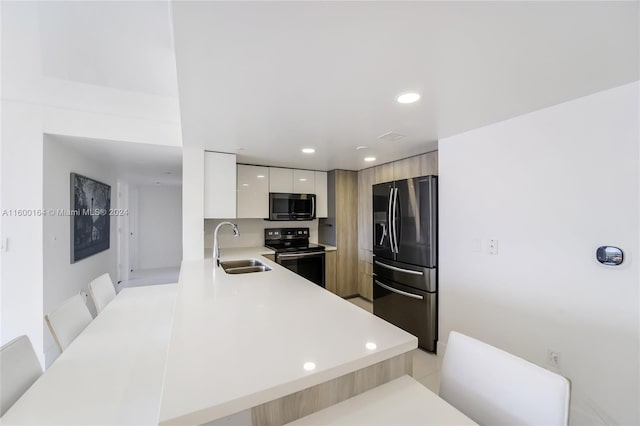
253, 192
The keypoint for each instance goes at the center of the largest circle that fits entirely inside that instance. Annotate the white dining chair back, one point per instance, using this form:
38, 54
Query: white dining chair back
102, 291
19, 369
494, 387
66, 322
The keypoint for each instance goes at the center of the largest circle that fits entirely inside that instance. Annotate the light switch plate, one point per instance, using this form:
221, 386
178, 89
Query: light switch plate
493, 246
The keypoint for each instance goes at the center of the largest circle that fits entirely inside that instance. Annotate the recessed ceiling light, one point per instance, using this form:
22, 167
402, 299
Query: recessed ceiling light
371, 346
303, 179
369, 159
309, 366
308, 150
361, 147
245, 184
260, 176
408, 98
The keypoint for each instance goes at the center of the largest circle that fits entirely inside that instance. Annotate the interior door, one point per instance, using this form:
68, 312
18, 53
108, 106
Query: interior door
382, 239
415, 210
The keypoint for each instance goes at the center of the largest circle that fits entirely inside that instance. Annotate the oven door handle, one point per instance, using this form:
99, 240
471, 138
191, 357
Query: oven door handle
400, 292
288, 256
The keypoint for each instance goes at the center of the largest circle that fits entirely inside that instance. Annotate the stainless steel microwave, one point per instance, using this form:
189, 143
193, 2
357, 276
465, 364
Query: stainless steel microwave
292, 206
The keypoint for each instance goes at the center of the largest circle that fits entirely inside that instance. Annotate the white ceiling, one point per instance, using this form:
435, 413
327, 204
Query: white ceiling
122, 45
135, 163
266, 79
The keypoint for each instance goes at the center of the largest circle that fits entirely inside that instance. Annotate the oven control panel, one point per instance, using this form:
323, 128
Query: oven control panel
285, 233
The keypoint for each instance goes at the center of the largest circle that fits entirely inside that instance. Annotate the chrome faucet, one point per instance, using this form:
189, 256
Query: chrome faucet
216, 246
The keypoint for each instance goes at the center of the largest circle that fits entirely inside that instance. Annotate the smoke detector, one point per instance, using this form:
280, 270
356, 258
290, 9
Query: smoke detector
390, 137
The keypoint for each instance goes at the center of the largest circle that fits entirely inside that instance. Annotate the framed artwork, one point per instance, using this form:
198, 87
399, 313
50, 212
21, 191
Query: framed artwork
90, 219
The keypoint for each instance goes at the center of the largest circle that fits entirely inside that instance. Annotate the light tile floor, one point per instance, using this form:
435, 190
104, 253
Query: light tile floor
144, 277
426, 366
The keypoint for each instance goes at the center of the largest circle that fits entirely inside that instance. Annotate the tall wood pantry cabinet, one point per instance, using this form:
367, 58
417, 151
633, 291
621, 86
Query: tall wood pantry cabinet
340, 229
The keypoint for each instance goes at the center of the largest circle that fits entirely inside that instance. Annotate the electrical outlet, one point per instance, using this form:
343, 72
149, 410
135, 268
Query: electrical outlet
493, 246
553, 357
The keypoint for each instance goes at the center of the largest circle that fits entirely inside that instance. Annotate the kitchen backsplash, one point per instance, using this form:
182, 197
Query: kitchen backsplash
252, 231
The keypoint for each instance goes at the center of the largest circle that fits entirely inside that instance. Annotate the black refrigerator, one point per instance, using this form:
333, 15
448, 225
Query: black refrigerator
405, 256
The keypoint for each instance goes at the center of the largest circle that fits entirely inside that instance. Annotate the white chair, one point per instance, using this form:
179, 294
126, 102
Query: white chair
102, 291
20, 369
494, 387
66, 322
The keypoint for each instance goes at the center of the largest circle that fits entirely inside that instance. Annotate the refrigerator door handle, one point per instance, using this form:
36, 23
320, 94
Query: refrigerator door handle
403, 293
394, 225
395, 268
389, 219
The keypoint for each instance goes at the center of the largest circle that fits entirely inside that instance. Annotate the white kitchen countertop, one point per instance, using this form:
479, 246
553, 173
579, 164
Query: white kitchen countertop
241, 340
112, 373
402, 401
328, 247
259, 251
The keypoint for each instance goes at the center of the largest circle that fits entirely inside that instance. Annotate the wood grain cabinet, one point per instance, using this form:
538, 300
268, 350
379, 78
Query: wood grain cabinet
340, 229
330, 271
420, 165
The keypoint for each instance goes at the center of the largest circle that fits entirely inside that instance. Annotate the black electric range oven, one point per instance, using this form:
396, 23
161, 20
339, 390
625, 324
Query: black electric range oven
294, 252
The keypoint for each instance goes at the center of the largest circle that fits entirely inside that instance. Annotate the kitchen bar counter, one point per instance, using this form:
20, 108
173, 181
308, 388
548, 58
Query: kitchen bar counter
239, 341
112, 373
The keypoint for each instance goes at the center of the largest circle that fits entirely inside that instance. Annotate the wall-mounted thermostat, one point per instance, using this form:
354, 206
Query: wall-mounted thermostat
608, 255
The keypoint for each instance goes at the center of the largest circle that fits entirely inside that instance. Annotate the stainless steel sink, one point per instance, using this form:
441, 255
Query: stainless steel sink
247, 269
244, 266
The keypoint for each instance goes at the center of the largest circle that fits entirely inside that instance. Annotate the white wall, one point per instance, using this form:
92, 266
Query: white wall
252, 231
33, 105
551, 186
159, 226
63, 279
192, 202
21, 284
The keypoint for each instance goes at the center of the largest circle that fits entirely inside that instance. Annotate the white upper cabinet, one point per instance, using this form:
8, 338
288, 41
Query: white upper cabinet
280, 180
321, 194
304, 181
253, 191
219, 185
